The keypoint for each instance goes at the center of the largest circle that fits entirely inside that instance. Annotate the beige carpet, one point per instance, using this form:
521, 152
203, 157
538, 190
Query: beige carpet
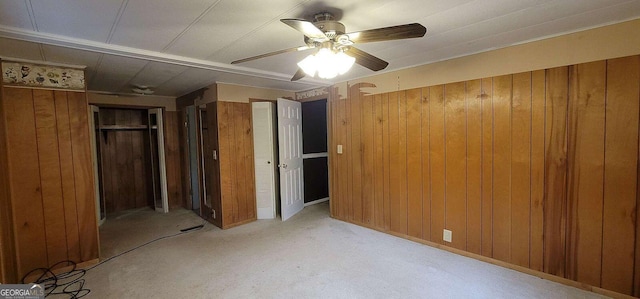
308, 256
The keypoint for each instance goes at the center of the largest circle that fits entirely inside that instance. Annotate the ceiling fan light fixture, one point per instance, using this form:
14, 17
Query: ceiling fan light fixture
327, 63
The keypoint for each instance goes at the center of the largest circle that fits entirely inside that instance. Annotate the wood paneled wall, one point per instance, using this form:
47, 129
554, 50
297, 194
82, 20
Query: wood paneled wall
537, 169
50, 177
126, 160
172, 159
235, 154
8, 272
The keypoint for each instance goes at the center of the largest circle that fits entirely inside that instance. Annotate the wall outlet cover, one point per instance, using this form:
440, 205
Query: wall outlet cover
447, 235
339, 148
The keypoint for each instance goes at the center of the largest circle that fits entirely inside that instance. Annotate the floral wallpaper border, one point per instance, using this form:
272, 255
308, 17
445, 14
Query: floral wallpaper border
35, 75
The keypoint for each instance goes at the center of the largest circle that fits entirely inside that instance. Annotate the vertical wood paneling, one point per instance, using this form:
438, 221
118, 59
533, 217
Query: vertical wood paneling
520, 169
555, 171
399, 215
333, 167
537, 169
349, 156
456, 167
67, 176
378, 158
50, 179
398, 160
356, 150
414, 163
368, 153
437, 154
238, 153
8, 270
474, 166
586, 174
342, 158
386, 162
249, 171
235, 149
487, 166
172, 160
426, 167
502, 91
83, 170
29, 231
226, 164
620, 173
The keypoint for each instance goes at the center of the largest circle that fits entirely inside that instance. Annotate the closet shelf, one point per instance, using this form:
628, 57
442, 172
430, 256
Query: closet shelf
123, 127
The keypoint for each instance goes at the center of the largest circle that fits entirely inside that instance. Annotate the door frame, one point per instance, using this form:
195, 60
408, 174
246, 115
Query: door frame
97, 161
162, 166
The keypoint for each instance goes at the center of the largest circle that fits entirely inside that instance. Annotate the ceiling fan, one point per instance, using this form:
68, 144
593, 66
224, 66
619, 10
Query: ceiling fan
328, 35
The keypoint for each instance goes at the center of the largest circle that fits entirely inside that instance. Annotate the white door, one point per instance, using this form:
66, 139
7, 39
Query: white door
94, 123
158, 166
264, 143
290, 154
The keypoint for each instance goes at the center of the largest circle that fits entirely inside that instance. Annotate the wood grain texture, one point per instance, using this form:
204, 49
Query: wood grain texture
547, 164
473, 101
24, 170
586, 174
67, 176
555, 206
50, 179
85, 196
537, 169
520, 169
455, 163
214, 180
487, 166
368, 153
237, 186
356, 153
426, 167
437, 162
620, 173
399, 215
227, 186
502, 97
414, 163
172, 159
8, 267
378, 157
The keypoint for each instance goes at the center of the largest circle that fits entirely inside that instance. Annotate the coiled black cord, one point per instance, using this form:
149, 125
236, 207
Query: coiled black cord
71, 283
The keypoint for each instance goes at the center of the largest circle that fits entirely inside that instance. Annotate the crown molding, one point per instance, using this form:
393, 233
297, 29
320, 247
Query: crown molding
104, 48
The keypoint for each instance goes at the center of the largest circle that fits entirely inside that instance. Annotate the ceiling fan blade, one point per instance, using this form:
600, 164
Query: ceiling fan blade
298, 75
367, 60
307, 28
388, 33
302, 48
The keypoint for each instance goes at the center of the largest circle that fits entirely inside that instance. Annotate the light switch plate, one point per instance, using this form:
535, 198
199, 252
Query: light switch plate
447, 235
339, 148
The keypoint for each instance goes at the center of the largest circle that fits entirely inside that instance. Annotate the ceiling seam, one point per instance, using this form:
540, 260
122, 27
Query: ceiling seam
42, 54
175, 39
202, 15
277, 18
94, 71
32, 16
121, 10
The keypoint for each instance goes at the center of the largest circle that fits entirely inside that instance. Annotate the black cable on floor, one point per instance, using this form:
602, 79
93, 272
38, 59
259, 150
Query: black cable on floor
71, 283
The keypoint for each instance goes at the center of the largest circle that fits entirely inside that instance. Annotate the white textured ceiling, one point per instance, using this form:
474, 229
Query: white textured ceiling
179, 46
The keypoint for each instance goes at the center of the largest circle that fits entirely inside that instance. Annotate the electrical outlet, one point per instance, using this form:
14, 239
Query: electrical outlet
214, 213
447, 235
339, 148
